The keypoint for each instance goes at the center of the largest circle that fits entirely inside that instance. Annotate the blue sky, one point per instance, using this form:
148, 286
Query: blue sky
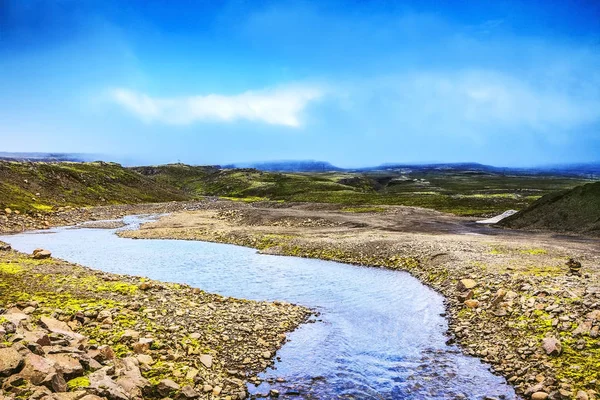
351, 82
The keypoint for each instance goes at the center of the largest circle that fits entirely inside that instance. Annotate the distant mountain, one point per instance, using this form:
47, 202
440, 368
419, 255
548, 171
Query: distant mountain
290, 166
25, 156
572, 211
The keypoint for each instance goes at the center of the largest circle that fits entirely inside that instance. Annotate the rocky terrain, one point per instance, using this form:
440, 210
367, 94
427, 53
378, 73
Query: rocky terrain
511, 300
573, 211
71, 333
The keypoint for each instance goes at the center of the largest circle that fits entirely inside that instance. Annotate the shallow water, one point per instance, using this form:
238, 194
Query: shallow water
380, 334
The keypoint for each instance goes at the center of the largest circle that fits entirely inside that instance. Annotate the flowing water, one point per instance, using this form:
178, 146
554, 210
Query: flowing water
380, 334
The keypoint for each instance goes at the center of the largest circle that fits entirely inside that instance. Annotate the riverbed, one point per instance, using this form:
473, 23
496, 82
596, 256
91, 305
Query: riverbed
381, 334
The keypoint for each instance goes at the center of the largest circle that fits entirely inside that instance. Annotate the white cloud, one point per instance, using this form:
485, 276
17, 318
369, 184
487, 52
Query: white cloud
474, 104
279, 106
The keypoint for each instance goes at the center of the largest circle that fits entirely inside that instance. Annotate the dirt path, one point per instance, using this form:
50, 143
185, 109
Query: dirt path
510, 297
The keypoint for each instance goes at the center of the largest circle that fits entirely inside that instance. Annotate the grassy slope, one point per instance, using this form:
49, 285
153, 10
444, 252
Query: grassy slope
576, 210
464, 193
44, 186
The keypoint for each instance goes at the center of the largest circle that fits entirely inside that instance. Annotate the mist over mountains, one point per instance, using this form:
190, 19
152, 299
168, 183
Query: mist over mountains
589, 170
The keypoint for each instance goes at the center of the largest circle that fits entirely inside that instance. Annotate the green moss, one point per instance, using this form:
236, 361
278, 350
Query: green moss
10, 269
533, 251
78, 383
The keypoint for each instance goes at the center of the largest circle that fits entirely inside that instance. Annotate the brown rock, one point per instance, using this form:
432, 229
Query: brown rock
472, 303
37, 369
206, 360
166, 387
10, 361
56, 326
40, 254
539, 396
552, 346
68, 365
466, 284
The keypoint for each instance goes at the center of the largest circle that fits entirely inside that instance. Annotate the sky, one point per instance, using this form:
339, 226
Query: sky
355, 83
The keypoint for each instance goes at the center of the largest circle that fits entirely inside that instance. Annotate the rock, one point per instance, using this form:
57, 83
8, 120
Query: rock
104, 386
40, 254
581, 395
37, 369
131, 379
102, 315
583, 328
130, 335
206, 360
466, 284
10, 361
166, 387
217, 390
56, 382
56, 326
91, 397
189, 392
498, 297
145, 286
274, 393
69, 366
539, 396
552, 346
472, 303
144, 359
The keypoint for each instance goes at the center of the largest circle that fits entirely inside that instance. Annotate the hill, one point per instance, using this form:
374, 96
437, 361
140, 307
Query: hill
42, 186
571, 211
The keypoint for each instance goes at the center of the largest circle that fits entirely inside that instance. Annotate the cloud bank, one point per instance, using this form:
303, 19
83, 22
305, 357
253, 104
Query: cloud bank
280, 106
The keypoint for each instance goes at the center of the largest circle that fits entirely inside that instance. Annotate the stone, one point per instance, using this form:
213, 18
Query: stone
40, 254
69, 366
102, 315
217, 390
166, 386
145, 286
583, 328
274, 393
144, 359
131, 379
37, 368
466, 284
10, 361
130, 335
206, 360
189, 392
104, 386
90, 397
552, 346
539, 396
56, 326
472, 303
581, 395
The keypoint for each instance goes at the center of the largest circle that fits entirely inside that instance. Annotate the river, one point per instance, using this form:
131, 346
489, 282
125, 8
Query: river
381, 334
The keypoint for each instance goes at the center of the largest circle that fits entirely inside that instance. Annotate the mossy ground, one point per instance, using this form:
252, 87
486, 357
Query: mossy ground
168, 313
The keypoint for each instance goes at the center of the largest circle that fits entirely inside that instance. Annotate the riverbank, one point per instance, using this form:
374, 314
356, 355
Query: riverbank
510, 298
71, 332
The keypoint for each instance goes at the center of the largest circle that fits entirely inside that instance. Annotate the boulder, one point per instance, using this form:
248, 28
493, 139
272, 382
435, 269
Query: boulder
37, 369
56, 326
68, 365
40, 254
10, 361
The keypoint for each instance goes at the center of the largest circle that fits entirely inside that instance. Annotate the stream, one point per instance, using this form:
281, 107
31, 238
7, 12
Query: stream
381, 334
